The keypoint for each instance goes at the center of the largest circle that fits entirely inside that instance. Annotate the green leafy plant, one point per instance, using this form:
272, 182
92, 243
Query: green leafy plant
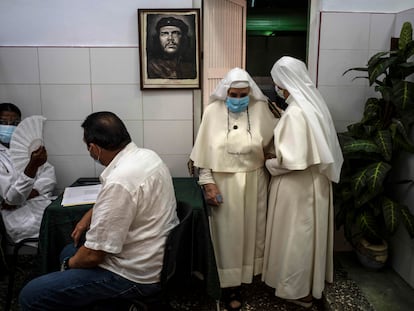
363, 204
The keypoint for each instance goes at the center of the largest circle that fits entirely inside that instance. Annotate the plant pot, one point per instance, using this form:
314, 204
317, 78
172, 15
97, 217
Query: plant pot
372, 256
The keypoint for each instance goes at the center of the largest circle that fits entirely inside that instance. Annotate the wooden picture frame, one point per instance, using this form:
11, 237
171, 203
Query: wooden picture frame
169, 48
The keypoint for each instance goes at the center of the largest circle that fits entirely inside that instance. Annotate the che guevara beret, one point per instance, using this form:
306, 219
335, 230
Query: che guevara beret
172, 21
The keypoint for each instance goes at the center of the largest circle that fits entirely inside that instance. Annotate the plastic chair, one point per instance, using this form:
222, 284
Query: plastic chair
6, 245
174, 246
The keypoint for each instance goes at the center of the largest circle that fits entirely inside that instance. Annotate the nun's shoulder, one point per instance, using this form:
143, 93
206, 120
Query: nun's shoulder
215, 106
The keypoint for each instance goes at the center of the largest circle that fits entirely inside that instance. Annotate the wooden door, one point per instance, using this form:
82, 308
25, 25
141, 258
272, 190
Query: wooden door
224, 41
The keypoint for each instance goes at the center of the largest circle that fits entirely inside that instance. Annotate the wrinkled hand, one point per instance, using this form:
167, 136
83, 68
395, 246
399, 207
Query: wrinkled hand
212, 194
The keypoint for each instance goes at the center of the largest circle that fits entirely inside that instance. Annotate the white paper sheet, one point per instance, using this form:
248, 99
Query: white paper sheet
80, 195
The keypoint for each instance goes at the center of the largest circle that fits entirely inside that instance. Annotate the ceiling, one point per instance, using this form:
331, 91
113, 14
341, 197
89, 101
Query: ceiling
270, 17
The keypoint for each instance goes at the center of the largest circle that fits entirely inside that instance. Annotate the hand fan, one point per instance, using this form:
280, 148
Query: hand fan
27, 137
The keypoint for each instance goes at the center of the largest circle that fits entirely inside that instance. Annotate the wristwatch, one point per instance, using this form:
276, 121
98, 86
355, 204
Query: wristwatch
65, 264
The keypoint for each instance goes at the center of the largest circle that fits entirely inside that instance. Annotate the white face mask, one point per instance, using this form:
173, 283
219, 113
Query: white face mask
279, 92
99, 155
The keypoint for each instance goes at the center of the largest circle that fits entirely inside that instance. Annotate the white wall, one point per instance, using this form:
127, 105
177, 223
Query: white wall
349, 6
67, 58
75, 22
369, 6
67, 84
402, 246
349, 39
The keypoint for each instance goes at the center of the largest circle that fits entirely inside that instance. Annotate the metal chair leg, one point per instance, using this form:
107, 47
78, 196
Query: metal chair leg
12, 274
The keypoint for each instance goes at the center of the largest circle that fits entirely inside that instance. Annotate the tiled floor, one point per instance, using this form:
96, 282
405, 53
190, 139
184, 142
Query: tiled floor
354, 288
257, 296
384, 289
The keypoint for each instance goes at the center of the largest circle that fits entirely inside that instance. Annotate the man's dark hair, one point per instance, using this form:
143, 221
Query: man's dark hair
105, 129
10, 107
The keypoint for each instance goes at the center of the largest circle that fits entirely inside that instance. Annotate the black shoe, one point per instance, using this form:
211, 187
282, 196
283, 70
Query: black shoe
232, 299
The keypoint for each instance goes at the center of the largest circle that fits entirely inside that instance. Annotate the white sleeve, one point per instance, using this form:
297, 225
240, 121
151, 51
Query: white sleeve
45, 180
6, 179
110, 226
205, 177
273, 166
19, 190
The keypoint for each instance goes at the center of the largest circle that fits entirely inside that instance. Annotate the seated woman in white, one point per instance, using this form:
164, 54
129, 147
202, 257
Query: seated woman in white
23, 194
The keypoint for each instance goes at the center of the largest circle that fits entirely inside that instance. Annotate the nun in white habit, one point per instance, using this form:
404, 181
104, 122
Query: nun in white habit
236, 129
299, 233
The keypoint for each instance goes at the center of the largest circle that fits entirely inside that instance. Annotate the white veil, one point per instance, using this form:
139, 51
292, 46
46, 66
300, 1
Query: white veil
236, 75
291, 74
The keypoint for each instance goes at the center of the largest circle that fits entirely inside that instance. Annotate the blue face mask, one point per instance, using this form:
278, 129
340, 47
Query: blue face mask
6, 132
237, 104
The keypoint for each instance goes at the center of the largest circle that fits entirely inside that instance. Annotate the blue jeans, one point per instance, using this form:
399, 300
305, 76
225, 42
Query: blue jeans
82, 289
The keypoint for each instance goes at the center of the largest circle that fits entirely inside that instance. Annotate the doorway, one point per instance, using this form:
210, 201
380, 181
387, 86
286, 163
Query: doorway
274, 28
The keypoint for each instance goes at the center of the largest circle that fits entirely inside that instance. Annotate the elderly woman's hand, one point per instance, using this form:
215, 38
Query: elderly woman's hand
212, 194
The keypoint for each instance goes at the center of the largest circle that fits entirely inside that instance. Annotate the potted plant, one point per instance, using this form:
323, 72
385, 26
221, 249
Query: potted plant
363, 203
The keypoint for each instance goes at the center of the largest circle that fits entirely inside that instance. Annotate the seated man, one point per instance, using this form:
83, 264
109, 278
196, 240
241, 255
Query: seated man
126, 229
23, 195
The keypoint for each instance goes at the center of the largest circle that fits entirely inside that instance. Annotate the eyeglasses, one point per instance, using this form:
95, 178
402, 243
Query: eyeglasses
9, 122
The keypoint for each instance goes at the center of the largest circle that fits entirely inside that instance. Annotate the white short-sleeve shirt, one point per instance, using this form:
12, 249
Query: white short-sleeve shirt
133, 214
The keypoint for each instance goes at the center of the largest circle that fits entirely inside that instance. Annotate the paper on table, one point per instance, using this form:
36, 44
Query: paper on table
80, 195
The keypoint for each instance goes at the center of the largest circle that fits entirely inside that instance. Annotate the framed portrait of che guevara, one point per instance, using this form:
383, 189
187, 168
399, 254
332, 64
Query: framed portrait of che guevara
169, 48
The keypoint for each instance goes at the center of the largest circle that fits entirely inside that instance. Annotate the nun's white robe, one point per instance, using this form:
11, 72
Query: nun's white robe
299, 231
238, 224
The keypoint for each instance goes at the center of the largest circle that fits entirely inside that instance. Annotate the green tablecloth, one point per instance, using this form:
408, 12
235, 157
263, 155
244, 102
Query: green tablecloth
58, 223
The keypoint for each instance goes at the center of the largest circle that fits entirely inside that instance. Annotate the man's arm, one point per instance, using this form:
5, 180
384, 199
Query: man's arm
103, 231
86, 258
81, 227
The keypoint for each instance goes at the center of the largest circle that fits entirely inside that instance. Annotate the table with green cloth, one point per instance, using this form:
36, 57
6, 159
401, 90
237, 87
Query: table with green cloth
58, 223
